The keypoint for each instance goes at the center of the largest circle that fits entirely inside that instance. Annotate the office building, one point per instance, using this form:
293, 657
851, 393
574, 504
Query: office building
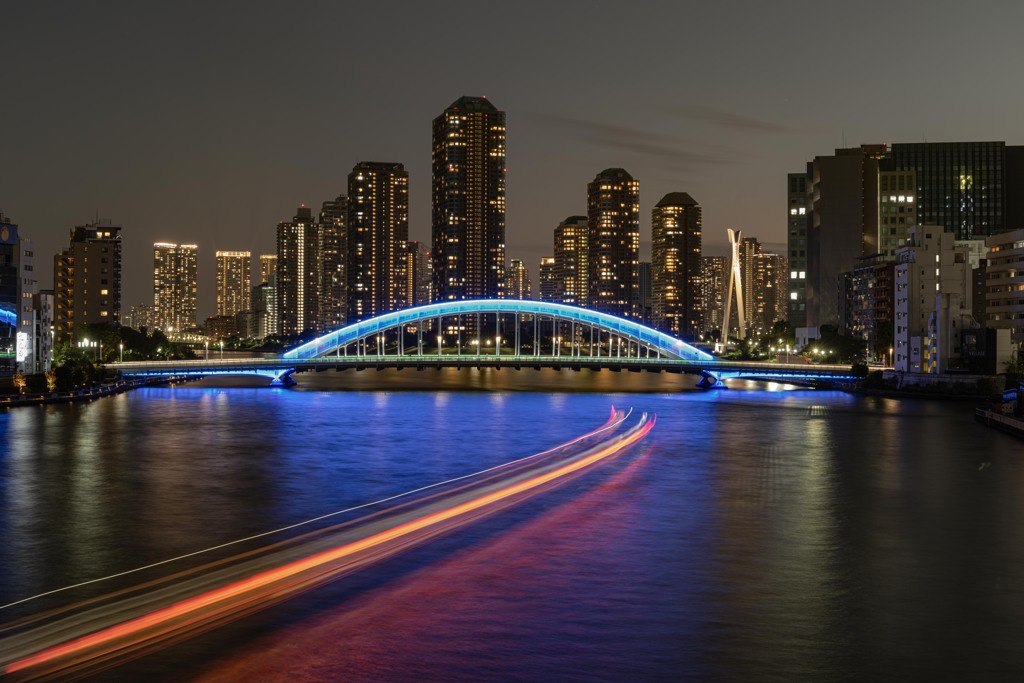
234, 289
87, 279
468, 209
864, 200
377, 239
676, 265
571, 261
333, 233
966, 187
613, 245
897, 210
175, 286
844, 225
799, 202
298, 274
1004, 280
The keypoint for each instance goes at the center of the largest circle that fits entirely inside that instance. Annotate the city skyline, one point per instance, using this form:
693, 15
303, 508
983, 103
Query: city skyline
203, 148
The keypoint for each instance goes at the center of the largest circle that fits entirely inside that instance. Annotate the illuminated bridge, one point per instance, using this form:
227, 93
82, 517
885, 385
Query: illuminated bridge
501, 333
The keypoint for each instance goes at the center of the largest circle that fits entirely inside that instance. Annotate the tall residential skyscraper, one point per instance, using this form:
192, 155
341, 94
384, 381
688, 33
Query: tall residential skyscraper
234, 293
264, 300
298, 273
547, 285
378, 236
518, 286
571, 260
418, 274
646, 297
87, 279
749, 249
768, 286
175, 286
715, 271
268, 268
613, 249
676, 265
469, 201
333, 222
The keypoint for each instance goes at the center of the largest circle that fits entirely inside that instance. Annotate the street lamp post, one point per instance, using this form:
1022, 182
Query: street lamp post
120, 352
222, 349
206, 353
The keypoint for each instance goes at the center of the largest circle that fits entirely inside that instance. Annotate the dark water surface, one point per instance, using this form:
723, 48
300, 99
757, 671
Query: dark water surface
755, 535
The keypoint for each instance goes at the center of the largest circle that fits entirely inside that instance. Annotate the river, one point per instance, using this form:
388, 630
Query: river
753, 535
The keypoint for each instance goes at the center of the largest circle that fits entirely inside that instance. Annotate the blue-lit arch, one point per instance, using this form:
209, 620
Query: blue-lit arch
664, 344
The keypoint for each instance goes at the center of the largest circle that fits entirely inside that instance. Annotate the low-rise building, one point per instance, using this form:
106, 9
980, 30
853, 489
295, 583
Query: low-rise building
932, 300
1004, 279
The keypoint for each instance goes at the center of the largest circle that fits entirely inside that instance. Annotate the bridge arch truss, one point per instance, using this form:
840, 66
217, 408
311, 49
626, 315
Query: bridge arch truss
544, 328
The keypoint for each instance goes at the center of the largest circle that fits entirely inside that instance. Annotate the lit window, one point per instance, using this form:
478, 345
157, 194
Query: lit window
792, 295
803, 211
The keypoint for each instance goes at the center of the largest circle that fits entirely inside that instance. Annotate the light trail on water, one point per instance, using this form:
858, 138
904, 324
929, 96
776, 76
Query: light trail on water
616, 418
124, 628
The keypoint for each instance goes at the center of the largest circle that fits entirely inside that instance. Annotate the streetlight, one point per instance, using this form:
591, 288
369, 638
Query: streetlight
120, 352
206, 354
890, 357
222, 349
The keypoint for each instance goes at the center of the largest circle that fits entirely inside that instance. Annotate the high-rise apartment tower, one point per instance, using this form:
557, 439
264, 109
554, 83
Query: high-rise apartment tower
613, 249
469, 201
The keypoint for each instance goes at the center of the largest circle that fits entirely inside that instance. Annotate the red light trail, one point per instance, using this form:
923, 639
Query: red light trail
213, 606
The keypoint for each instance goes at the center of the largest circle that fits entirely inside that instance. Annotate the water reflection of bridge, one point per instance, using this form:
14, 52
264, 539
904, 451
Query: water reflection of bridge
499, 333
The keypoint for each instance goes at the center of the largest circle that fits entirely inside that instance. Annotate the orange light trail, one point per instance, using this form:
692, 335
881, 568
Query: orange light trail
148, 627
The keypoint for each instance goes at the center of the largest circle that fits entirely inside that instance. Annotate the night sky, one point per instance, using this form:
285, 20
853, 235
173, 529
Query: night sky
184, 123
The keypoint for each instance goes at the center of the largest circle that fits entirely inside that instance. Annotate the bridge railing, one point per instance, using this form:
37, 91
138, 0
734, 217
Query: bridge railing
626, 329
413, 358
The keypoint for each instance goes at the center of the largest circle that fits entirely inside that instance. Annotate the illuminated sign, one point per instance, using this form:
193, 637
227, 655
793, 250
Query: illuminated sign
21, 347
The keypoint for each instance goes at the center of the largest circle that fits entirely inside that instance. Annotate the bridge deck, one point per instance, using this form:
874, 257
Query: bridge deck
270, 365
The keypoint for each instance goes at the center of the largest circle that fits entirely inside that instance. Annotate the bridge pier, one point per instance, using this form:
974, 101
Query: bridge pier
284, 379
709, 381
